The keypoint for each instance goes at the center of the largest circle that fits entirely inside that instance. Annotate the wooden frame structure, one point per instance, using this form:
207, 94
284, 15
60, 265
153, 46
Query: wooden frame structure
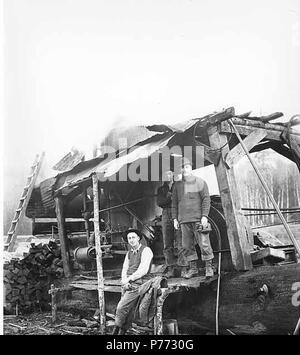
226, 154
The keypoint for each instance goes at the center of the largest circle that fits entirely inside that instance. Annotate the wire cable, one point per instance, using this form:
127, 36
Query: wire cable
219, 272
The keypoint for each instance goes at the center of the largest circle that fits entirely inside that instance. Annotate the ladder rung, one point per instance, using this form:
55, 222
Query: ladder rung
30, 181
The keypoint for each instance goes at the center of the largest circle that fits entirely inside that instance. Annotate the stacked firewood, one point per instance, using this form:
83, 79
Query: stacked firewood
27, 280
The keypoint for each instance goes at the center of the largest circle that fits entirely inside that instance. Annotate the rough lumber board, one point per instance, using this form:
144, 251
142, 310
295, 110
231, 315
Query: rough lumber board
94, 287
238, 229
194, 282
174, 284
275, 255
235, 154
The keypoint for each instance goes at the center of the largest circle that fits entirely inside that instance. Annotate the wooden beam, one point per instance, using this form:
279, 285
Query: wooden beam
258, 124
246, 130
235, 154
238, 229
271, 254
221, 116
54, 220
64, 243
271, 117
99, 254
244, 115
245, 127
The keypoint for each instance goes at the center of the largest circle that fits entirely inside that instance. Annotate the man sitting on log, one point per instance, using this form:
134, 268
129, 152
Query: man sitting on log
136, 266
190, 208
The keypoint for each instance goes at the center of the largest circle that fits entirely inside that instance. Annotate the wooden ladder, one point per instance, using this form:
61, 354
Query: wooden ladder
19, 213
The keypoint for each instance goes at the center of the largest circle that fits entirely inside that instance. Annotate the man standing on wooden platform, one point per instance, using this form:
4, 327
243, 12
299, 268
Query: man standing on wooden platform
172, 239
136, 266
190, 208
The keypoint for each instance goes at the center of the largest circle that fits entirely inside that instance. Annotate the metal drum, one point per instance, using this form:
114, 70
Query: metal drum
85, 255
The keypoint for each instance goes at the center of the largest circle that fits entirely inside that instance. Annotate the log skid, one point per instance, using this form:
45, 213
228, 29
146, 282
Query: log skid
242, 302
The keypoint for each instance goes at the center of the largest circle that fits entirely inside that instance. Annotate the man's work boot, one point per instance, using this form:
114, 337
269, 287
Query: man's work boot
171, 272
192, 271
115, 330
209, 271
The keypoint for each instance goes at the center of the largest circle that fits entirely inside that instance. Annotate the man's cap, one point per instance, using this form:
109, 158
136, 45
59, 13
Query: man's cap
185, 161
132, 230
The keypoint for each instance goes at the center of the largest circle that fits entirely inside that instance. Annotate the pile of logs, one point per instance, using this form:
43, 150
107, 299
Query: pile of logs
27, 280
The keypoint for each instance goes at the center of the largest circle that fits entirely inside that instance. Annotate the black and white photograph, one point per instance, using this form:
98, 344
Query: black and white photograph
150, 182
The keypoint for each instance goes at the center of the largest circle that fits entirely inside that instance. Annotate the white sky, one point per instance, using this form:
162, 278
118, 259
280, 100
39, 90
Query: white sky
73, 68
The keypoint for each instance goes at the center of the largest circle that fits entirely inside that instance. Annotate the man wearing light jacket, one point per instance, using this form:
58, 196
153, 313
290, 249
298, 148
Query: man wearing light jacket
190, 208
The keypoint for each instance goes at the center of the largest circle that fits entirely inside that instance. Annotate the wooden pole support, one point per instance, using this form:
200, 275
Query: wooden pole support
99, 255
53, 291
64, 245
158, 319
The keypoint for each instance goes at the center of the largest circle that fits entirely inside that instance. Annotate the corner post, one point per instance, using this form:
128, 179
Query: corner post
238, 230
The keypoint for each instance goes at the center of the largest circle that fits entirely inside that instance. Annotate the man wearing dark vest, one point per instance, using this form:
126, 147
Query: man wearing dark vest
190, 208
173, 252
136, 266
